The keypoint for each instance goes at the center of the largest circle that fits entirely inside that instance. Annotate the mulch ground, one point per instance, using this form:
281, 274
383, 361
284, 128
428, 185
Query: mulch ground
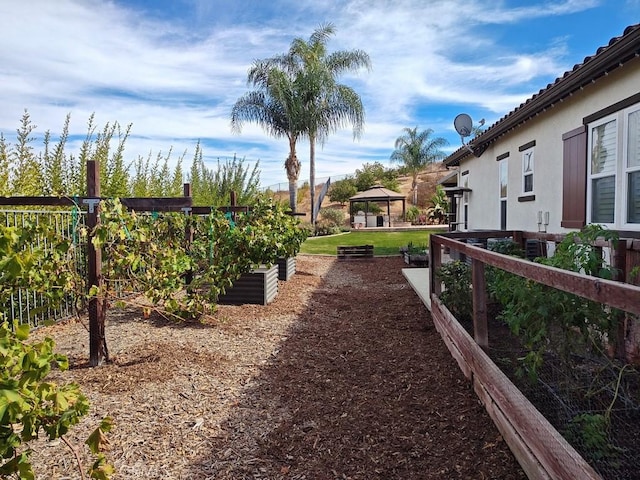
343, 376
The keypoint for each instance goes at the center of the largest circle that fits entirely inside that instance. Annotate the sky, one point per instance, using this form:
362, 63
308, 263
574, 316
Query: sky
173, 69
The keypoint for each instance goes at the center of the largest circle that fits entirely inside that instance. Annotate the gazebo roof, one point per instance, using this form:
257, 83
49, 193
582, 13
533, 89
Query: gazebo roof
377, 193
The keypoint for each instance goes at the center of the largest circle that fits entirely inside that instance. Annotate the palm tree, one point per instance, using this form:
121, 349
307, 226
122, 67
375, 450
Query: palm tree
416, 150
275, 106
327, 104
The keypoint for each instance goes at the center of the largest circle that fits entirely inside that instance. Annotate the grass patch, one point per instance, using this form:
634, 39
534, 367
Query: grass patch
384, 243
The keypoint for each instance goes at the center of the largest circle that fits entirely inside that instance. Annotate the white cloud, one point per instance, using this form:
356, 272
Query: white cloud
176, 79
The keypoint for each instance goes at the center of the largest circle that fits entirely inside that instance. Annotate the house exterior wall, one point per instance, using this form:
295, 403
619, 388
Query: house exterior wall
546, 131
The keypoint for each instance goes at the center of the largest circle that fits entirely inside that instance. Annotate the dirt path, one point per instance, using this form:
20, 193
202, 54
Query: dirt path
343, 376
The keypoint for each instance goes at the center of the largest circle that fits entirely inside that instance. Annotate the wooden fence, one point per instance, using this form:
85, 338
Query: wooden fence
540, 449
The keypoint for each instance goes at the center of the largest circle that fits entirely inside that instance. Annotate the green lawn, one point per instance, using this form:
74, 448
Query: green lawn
384, 243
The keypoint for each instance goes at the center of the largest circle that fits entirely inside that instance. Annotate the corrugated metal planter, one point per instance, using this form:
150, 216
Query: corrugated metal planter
286, 268
259, 286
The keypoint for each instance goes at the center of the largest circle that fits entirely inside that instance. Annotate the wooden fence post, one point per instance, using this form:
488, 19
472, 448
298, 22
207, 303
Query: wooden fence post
233, 199
188, 230
480, 329
98, 352
435, 261
619, 266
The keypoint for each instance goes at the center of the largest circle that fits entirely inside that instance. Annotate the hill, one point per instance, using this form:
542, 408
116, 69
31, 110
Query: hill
428, 180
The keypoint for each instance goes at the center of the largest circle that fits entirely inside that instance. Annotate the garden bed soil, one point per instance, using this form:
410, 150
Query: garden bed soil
342, 376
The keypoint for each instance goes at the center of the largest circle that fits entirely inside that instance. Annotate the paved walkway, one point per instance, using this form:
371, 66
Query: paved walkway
418, 278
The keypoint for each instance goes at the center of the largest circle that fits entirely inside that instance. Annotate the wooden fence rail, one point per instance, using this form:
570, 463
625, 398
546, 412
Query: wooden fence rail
541, 451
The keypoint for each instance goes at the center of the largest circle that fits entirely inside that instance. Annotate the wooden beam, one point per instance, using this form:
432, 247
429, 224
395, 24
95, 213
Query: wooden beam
98, 352
480, 329
620, 295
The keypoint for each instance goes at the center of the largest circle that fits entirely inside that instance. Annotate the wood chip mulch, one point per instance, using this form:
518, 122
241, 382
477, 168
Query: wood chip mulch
342, 376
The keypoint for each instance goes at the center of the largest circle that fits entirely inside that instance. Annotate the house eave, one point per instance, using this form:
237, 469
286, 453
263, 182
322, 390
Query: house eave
619, 51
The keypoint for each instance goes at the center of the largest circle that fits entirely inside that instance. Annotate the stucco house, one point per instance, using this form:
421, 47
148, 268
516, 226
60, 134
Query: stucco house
567, 156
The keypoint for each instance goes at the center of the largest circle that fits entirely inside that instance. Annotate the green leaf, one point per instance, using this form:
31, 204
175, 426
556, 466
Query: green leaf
22, 331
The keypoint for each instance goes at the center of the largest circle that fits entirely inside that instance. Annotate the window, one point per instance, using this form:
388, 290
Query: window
614, 169
632, 169
527, 170
465, 201
502, 193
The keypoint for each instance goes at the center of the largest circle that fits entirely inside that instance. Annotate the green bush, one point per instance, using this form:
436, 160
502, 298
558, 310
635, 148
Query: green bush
413, 214
546, 318
324, 229
456, 296
334, 217
30, 404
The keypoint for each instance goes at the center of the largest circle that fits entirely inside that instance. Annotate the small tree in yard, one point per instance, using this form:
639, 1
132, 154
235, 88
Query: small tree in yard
342, 190
374, 173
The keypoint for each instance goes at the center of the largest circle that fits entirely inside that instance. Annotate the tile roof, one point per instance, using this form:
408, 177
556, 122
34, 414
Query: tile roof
607, 58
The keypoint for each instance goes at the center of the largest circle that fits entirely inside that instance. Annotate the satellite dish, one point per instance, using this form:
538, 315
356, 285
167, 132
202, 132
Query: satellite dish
463, 124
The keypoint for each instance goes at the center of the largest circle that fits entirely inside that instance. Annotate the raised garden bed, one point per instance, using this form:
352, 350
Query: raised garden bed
286, 268
259, 286
415, 256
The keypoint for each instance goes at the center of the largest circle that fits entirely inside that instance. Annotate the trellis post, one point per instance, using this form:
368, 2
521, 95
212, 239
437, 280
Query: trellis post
188, 230
98, 352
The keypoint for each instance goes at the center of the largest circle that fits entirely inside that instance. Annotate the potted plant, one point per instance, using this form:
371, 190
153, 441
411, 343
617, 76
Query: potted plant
415, 255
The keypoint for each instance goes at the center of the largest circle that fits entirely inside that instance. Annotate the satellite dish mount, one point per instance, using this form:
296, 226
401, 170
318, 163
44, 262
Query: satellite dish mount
464, 126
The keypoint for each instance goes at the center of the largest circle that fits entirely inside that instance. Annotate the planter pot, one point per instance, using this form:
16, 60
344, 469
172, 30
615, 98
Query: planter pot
286, 268
418, 259
260, 286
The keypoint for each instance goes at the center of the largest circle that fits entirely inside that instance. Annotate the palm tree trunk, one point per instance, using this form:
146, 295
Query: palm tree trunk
292, 166
293, 194
312, 177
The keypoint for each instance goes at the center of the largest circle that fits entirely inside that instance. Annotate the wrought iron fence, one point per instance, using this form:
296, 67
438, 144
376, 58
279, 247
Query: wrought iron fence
28, 306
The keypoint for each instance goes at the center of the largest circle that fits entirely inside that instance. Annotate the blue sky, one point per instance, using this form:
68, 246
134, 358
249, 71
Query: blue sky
174, 68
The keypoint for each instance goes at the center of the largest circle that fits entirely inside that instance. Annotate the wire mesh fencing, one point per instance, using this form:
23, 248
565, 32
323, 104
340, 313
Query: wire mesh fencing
29, 306
592, 400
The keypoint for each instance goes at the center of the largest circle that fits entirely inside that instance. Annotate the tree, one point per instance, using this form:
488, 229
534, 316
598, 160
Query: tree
5, 187
373, 173
415, 150
342, 190
275, 106
214, 187
176, 189
234, 176
55, 174
27, 176
327, 104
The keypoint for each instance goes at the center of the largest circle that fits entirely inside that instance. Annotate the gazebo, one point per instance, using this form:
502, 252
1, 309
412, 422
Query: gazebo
377, 193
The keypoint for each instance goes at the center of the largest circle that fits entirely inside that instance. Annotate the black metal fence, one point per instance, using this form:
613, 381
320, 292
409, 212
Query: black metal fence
27, 306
